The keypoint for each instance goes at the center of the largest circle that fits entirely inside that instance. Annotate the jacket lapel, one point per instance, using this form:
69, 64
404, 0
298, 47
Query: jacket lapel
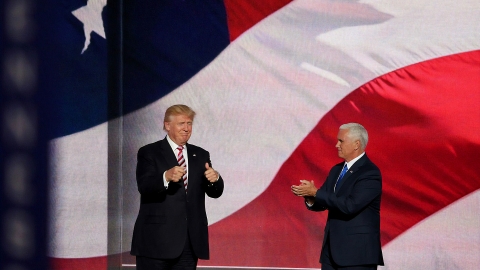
167, 153
356, 166
192, 161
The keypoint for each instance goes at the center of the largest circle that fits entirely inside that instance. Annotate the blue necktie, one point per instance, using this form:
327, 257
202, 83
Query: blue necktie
341, 175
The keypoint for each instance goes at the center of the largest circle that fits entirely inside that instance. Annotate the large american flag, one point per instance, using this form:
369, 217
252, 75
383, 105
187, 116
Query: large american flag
271, 81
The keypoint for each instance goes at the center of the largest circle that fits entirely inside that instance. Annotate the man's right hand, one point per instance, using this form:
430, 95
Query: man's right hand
175, 174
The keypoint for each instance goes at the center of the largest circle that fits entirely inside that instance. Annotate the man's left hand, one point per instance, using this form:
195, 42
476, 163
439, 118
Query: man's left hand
211, 174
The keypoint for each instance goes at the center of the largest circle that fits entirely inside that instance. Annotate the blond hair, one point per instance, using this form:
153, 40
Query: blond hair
178, 109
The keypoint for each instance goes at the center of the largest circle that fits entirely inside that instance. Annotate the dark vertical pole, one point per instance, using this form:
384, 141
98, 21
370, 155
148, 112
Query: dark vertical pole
113, 32
23, 139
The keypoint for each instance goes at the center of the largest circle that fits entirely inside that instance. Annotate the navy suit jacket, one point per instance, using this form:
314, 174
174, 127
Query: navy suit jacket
166, 215
353, 223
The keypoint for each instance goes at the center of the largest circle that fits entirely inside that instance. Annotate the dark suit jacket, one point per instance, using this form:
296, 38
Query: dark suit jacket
167, 214
353, 223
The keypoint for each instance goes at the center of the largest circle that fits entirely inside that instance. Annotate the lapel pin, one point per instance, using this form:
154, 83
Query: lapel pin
194, 155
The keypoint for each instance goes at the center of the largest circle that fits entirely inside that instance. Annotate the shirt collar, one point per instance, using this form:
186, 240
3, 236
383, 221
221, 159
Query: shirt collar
351, 162
174, 146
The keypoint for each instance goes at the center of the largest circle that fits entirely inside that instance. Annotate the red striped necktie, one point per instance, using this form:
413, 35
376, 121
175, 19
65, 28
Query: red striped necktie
182, 163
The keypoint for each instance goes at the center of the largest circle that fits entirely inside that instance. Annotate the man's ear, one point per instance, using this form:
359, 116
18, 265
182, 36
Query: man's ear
167, 126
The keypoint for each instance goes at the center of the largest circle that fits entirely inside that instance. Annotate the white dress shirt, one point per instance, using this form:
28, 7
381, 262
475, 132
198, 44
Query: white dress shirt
174, 147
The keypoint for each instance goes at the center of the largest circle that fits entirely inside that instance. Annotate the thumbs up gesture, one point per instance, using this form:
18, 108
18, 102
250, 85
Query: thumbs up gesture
211, 174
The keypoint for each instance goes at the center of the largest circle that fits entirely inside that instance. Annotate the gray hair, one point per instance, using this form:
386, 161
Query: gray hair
357, 132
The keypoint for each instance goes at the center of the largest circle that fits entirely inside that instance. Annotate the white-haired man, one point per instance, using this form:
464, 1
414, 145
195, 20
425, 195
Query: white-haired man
351, 194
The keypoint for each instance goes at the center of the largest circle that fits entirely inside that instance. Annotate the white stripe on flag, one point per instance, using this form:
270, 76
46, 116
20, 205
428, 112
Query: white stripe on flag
449, 238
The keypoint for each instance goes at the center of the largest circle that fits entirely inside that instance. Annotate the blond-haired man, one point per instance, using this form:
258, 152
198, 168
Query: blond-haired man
173, 177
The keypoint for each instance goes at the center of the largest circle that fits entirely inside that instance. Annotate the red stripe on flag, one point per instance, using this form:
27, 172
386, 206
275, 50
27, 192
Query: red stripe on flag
241, 14
423, 122
94, 263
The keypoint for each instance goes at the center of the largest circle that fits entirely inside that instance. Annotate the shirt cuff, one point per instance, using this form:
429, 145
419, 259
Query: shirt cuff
165, 183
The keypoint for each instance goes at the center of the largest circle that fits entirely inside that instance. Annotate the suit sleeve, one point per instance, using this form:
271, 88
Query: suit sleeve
366, 188
316, 206
149, 178
213, 190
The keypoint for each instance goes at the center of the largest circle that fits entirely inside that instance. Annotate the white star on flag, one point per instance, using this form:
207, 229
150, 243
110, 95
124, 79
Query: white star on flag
91, 17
